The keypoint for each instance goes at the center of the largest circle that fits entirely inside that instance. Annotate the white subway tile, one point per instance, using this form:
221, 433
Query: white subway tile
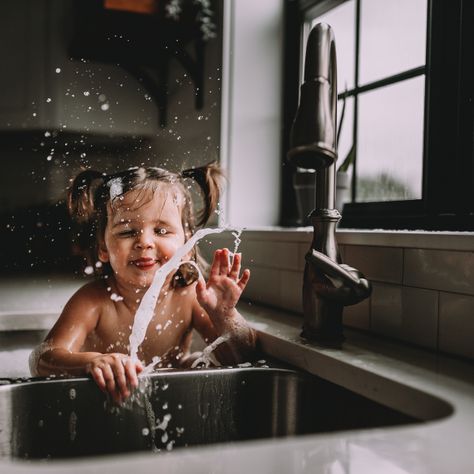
280, 255
357, 315
456, 324
443, 270
291, 286
383, 264
410, 314
264, 286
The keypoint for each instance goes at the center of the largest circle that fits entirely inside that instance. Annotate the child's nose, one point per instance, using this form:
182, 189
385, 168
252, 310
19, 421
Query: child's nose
145, 239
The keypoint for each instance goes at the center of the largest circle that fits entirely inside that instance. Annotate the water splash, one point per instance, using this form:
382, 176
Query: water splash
205, 357
237, 239
147, 305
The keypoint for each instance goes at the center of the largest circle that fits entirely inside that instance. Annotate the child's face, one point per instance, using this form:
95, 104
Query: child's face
140, 238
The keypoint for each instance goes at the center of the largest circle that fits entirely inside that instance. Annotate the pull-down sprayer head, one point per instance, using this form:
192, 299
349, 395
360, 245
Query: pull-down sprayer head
313, 134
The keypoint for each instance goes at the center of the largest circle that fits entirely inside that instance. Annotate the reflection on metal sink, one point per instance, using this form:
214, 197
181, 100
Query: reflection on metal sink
71, 417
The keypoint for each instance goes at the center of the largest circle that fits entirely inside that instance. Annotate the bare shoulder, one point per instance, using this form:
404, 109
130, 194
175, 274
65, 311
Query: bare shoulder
89, 299
80, 316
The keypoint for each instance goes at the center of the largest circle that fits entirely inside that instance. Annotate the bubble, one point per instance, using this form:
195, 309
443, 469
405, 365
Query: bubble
86, 93
145, 431
48, 99
58, 70
105, 107
72, 394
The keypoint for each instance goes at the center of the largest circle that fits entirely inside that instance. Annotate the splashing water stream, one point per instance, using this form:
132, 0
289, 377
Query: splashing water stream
205, 356
147, 305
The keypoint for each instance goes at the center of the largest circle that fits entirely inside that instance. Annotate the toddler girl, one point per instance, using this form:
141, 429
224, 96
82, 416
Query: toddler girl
136, 220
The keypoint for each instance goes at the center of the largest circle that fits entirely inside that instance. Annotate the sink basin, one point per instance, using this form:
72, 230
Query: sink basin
61, 418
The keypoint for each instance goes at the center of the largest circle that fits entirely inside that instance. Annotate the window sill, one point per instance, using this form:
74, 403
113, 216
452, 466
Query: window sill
463, 241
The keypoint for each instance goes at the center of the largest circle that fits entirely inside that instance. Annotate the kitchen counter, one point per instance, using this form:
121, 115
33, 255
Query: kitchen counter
414, 381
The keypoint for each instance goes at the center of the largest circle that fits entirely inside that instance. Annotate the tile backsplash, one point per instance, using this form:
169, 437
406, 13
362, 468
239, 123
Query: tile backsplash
421, 295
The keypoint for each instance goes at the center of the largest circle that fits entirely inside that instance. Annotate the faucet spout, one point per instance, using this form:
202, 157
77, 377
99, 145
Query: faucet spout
328, 284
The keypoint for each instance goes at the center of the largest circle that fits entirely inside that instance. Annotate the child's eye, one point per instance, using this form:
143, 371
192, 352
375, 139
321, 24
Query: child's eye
127, 233
161, 231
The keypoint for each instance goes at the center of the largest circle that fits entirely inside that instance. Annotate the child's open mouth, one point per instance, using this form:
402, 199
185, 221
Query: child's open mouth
144, 263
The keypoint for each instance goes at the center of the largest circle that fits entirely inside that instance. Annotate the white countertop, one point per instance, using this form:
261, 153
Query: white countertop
399, 376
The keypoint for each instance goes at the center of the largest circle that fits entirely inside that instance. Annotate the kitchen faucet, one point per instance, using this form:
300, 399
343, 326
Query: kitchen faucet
328, 284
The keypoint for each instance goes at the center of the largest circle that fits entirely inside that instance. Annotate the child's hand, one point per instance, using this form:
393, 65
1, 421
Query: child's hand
222, 292
116, 374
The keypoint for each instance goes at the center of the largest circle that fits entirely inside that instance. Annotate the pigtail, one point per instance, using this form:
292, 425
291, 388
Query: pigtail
83, 209
81, 195
210, 179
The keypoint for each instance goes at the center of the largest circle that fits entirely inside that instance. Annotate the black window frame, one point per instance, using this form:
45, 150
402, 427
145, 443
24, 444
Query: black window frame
447, 201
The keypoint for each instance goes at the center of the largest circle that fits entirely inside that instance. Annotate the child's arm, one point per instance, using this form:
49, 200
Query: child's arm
216, 314
61, 353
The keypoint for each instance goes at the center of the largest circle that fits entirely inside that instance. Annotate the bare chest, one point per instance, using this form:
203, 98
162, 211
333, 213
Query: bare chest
167, 334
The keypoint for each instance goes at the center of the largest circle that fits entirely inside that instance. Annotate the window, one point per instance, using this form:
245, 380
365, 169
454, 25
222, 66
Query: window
405, 71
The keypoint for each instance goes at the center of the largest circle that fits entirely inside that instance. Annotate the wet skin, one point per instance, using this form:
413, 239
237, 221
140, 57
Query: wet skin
92, 333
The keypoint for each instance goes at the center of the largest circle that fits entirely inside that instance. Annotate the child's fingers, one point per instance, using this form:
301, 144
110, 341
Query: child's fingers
242, 283
120, 379
215, 267
109, 379
98, 377
224, 262
131, 370
201, 288
235, 269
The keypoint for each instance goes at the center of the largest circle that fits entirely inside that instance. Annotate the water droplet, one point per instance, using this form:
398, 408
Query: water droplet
89, 270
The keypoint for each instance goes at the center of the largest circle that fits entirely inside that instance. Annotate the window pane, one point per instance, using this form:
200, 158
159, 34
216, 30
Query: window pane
342, 21
392, 37
346, 137
390, 142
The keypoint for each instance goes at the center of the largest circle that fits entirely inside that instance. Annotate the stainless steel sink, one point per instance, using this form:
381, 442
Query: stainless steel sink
71, 417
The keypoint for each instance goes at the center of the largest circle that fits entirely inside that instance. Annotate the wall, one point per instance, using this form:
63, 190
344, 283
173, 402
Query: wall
251, 110
43, 90
423, 284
